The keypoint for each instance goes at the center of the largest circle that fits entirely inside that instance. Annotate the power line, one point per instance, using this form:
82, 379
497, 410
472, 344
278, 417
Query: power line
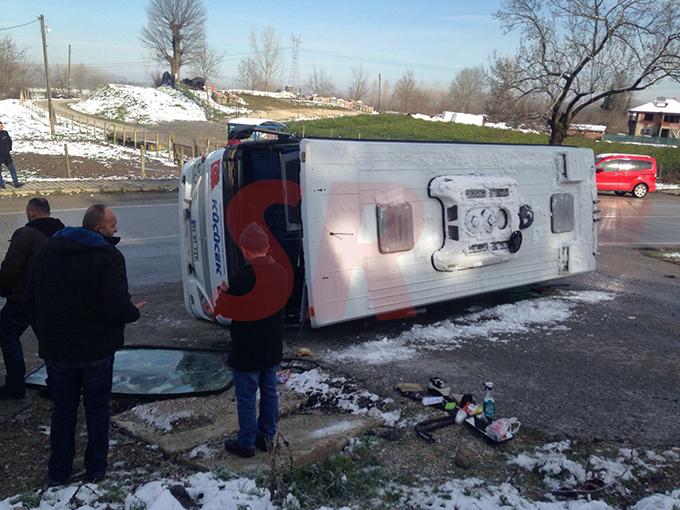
19, 26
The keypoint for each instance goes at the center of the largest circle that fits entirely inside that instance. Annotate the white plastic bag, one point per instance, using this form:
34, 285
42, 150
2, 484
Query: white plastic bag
503, 428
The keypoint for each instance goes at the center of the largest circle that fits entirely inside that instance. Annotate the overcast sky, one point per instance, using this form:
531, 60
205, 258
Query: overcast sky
435, 38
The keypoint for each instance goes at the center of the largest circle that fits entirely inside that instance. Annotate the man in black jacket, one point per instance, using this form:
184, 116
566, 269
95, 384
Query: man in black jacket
6, 158
14, 272
256, 345
78, 302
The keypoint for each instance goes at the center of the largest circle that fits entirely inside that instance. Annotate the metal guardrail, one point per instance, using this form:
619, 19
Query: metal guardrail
645, 140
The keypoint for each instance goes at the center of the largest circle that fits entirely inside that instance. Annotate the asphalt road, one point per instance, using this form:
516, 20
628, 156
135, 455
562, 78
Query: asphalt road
148, 225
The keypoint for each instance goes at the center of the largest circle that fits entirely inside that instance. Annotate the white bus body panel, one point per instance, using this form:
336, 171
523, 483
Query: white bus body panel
343, 182
202, 243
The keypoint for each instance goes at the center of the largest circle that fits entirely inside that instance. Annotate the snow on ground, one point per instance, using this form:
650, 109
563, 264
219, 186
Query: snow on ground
661, 185
30, 132
326, 390
158, 419
497, 324
140, 105
200, 96
276, 95
211, 492
560, 472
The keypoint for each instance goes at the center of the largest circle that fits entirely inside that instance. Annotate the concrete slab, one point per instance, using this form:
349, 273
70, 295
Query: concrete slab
194, 430
310, 438
183, 424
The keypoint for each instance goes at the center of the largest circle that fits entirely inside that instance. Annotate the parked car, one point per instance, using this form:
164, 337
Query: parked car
626, 173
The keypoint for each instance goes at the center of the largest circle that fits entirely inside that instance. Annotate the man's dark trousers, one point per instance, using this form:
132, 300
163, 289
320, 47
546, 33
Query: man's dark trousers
67, 380
13, 323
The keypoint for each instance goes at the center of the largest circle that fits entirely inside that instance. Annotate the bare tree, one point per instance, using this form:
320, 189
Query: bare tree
321, 83
468, 90
248, 77
571, 49
174, 32
16, 72
405, 91
265, 64
358, 86
207, 65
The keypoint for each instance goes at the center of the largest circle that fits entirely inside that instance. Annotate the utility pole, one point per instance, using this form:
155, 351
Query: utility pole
68, 79
379, 91
47, 73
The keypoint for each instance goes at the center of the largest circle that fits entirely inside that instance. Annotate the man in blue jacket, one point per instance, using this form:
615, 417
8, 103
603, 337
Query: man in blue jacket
78, 303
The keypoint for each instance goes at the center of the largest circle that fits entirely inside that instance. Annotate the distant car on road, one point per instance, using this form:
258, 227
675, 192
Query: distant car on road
242, 124
626, 173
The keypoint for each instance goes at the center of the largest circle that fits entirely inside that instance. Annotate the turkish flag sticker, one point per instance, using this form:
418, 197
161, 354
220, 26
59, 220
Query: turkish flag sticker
214, 174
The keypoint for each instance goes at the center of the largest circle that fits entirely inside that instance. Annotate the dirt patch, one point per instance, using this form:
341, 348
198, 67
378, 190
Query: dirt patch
24, 442
45, 166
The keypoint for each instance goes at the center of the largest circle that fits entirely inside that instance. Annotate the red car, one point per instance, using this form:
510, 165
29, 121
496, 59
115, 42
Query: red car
625, 173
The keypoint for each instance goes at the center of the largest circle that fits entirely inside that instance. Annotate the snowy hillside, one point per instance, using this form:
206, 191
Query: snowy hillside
30, 132
140, 105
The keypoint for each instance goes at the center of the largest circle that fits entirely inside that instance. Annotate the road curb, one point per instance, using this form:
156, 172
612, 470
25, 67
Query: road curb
80, 186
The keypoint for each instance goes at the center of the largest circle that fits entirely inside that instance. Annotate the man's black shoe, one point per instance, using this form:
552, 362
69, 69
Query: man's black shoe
12, 393
263, 443
18, 185
94, 478
236, 449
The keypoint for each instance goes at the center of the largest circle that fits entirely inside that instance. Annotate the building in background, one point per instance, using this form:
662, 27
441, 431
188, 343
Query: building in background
659, 118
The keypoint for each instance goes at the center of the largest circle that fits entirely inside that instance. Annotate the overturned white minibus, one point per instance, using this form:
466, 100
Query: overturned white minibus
384, 227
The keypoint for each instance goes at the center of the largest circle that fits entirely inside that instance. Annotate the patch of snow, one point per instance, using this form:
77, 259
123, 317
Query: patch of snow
552, 461
140, 105
203, 451
661, 185
29, 128
336, 428
668, 501
158, 419
496, 324
340, 392
276, 95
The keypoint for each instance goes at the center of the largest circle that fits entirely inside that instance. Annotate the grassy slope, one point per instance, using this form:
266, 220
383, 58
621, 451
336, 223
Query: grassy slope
401, 127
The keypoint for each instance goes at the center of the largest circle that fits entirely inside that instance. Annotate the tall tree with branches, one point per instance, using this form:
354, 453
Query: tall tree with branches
571, 49
358, 85
207, 65
405, 91
264, 66
16, 71
321, 83
174, 32
468, 90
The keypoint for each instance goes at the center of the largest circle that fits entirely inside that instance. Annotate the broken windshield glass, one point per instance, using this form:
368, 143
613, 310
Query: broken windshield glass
162, 372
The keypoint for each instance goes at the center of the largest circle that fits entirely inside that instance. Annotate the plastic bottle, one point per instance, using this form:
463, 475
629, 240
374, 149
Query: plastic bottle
489, 402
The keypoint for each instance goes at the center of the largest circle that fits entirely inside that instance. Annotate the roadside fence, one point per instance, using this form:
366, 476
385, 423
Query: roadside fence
146, 141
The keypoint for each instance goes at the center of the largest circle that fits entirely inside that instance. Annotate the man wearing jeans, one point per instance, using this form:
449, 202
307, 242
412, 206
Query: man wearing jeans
78, 303
6, 158
14, 272
256, 345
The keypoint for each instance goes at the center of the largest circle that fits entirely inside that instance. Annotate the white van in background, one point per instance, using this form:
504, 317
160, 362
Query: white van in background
384, 227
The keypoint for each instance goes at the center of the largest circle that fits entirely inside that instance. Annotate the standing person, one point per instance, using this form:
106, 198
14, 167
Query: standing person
14, 272
256, 347
78, 302
6, 158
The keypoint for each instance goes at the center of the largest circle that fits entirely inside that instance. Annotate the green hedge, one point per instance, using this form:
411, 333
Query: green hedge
403, 127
